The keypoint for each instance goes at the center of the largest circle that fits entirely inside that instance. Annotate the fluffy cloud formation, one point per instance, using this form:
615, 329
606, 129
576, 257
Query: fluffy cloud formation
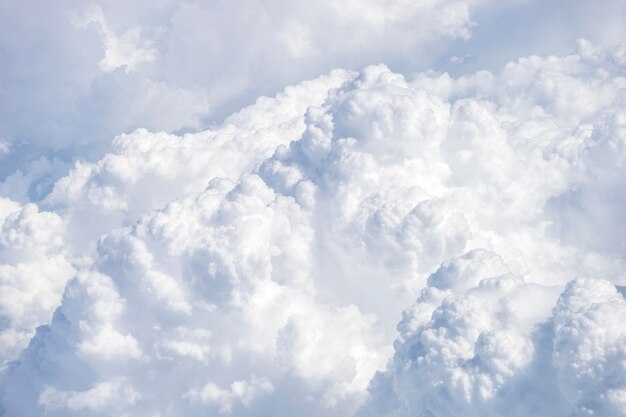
76, 74
259, 268
40, 250
33, 271
497, 345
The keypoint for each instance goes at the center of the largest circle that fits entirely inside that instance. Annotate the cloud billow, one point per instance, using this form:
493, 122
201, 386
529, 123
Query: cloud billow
261, 267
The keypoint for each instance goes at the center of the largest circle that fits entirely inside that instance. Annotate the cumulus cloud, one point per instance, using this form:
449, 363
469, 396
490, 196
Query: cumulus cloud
77, 74
41, 250
499, 345
589, 347
260, 267
33, 271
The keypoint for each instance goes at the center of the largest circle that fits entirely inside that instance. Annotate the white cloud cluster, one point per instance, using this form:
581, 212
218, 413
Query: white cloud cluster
40, 250
33, 271
259, 268
76, 73
480, 341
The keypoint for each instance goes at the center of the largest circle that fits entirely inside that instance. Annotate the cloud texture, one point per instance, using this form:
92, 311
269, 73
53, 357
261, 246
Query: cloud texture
365, 243
259, 268
75, 74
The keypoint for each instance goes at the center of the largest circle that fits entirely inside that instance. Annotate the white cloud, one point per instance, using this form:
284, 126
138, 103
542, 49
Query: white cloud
33, 271
126, 50
589, 350
505, 346
260, 267
103, 397
78, 74
244, 392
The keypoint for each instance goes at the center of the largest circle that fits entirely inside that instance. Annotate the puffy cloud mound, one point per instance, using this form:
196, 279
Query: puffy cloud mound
34, 268
589, 351
259, 268
41, 250
480, 341
77, 73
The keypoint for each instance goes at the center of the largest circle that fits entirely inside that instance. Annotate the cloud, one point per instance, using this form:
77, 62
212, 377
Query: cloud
104, 397
500, 345
589, 347
78, 74
33, 271
244, 392
125, 50
41, 250
261, 266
